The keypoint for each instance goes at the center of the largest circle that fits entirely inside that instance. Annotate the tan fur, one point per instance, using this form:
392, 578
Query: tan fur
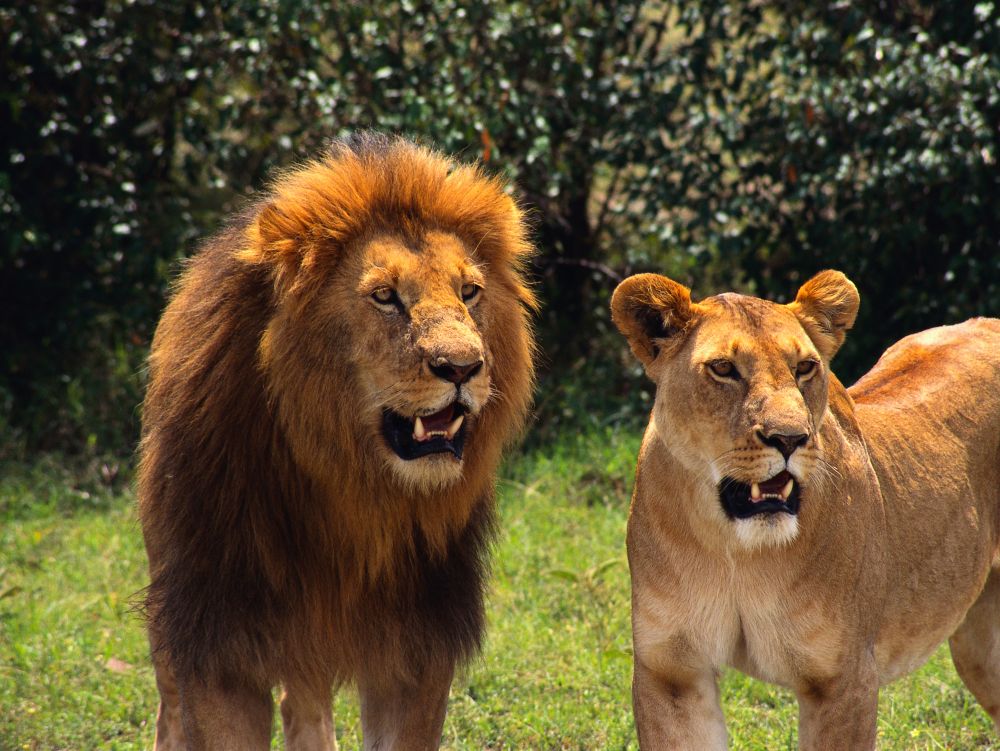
894, 545
287, 542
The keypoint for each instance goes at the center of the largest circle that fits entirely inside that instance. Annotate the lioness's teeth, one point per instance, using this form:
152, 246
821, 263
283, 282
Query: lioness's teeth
755, 492
418, 429
787, 490
455, 425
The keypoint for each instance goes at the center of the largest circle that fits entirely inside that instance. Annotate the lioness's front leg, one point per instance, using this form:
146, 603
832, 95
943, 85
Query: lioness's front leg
840, 713
405, 715
677, 712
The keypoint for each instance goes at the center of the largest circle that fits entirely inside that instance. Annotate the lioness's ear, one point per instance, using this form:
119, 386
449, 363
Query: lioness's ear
826, 306
650, 310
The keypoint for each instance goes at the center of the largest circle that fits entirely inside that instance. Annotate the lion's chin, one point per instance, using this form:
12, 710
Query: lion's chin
426, 475
424, 452
763, 514
767, 531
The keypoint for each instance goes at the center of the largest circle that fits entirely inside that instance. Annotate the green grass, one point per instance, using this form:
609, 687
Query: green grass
74, 670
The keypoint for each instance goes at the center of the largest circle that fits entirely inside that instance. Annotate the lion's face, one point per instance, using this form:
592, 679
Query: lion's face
393, 348
398, 350
419, 310
741, 394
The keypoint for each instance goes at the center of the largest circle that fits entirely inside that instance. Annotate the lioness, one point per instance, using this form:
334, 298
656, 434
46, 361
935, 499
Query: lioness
330, 391
822, 538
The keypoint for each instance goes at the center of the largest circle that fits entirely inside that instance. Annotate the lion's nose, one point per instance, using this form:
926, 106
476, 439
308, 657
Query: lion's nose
455, 372
785, 443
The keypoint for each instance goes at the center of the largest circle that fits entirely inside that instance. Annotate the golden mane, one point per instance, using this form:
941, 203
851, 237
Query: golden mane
372, 183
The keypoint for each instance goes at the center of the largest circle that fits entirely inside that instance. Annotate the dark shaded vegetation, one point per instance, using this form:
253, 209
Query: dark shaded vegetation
728, 145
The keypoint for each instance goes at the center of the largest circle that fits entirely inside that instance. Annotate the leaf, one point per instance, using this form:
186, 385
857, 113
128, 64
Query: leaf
118, 666
9, 592
618, 653
602, 568
567, 575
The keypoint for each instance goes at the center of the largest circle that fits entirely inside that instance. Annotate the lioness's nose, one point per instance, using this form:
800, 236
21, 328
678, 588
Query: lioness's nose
455, 372
785, 443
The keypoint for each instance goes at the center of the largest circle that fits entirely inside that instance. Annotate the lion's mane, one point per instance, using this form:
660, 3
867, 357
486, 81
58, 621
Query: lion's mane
255, 569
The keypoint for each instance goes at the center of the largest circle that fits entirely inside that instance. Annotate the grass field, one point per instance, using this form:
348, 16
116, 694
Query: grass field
74, 671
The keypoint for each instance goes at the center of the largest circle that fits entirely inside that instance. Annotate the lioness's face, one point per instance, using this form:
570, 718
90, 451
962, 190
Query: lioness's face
741, 395
755, 391
418, 351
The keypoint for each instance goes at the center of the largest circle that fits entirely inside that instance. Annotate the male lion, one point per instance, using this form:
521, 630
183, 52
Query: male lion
822, 538
330, 390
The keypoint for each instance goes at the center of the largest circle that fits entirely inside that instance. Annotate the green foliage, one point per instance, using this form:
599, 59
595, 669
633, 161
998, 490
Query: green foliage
726, 144
90, 207
862, 138
555, 673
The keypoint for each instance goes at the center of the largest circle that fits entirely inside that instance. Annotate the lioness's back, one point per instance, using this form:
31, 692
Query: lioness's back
954, 358
930, 414
935, 396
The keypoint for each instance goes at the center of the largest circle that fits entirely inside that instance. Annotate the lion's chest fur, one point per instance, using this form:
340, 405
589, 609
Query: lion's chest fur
784, 614
706, 612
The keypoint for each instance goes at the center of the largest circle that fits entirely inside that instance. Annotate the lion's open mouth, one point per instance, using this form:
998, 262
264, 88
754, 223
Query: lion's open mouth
422, 435
779, 494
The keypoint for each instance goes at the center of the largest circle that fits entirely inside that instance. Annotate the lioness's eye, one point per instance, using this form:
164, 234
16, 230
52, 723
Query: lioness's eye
385, 296
470, 291
724, 369
805, 368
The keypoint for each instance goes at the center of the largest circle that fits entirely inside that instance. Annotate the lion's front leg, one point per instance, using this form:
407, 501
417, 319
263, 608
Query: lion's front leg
840, 714
405, 715
307, 718
234, 717
196, 715
170, 735
677, 712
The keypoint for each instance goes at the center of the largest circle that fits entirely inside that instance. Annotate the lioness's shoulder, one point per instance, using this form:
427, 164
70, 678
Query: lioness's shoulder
952, 357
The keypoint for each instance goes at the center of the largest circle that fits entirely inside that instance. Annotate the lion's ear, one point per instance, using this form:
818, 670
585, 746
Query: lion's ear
273, 235
280, 240
651, 311
826, 306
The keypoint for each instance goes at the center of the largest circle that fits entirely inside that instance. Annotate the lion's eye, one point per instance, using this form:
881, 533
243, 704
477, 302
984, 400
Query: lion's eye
805, 368
724, 369
385, 296
470, 291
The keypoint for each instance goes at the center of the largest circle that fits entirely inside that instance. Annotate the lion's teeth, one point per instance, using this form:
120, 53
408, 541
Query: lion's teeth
787, 490
455, 425
755, 492
418, 429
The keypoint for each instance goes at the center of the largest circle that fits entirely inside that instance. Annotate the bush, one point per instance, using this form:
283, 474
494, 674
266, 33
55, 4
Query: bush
728, 145
865, 141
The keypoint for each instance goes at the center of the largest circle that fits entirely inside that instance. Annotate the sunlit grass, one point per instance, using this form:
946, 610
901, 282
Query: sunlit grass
74, 669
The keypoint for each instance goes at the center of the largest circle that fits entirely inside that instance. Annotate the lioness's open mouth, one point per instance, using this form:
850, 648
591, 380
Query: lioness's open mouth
422, 435
779, 494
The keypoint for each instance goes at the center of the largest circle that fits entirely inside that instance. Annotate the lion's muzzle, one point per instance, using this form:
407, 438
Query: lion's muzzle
785, 443
422, 435
455, 372
779, 494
